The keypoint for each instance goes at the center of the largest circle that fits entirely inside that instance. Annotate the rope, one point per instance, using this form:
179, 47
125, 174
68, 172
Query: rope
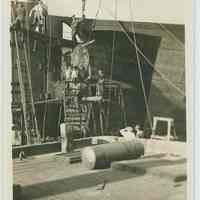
113, 51
97, 13
113, 44
28, 61
94, 21
172, 35
48, 65
112, 56
112, 60
140, 68
28, 32
181, 92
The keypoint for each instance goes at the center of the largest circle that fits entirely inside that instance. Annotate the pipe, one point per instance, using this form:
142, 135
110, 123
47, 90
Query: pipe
101, 156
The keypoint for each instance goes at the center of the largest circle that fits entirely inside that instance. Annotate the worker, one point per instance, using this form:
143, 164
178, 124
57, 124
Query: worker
74, 24
128, 133
39, 13
19, 20
66, 67
100, 83
81, 30
16, 135
34, 137
19, 16
138, 131
74, 89
22, 155
80, 58
74, 73
84, 74
68, 73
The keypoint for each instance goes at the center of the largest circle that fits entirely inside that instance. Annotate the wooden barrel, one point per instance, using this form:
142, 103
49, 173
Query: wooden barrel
101, 156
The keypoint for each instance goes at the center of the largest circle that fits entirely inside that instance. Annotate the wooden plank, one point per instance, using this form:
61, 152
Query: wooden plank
45, 38
36, 149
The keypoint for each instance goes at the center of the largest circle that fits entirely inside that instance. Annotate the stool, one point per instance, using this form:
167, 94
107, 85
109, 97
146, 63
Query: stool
170, 128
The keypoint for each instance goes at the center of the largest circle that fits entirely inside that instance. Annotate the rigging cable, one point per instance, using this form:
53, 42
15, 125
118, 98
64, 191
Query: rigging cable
112, 60
97, 13
95, 19
28, 64
113, 44
180, 91
47, 69
172, 35
140, 68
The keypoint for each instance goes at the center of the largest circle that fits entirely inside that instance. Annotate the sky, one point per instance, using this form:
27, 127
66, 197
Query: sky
158, 11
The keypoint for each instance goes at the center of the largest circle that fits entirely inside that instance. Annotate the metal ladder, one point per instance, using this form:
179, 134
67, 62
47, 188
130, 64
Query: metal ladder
27, 101
76, 114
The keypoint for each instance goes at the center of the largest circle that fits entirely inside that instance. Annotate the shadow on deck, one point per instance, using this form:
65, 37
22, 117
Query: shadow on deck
73, 183
83, 181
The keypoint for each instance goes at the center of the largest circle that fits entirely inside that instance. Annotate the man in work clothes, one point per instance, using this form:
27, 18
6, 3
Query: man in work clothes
38, 12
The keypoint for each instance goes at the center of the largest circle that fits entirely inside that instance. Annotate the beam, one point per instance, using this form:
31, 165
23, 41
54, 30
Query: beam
45, 38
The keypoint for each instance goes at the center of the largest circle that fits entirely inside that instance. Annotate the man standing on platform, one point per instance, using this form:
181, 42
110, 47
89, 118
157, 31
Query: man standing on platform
19, 15
100, 83
39, 13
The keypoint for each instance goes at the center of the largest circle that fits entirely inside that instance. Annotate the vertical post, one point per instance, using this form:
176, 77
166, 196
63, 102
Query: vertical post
94, 121
48, 55
123, 106
174, 130
101, 119
154, 126
31, 92
107, 117
169, 124
45, 77
63, 138
59, 117
22, 127
44, 120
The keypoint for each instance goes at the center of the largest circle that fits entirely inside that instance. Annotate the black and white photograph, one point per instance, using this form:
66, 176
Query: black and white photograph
98, 100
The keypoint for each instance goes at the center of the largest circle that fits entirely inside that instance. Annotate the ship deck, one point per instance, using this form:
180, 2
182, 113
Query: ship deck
51, 177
